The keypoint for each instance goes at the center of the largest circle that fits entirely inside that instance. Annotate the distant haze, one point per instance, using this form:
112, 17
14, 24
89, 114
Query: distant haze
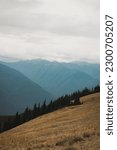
61, 30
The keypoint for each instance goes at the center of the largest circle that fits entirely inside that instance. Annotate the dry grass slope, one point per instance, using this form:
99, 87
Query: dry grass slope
71, 128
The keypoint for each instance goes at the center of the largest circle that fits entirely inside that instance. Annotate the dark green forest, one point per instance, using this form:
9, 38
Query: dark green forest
44, 108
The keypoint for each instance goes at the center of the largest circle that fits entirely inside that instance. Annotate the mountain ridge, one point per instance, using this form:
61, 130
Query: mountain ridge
17, 91
59, 78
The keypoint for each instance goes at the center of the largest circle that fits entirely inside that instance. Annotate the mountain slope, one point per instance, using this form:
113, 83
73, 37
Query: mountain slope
70, 128
17, 91
59, 78
91, 69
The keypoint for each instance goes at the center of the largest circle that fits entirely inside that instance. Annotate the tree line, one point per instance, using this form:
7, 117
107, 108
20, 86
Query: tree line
40, 109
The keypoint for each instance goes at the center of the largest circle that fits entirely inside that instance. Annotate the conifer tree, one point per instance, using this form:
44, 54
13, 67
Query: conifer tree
43, 107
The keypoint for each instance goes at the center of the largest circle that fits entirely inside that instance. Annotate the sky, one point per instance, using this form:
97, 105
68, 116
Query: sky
61, 30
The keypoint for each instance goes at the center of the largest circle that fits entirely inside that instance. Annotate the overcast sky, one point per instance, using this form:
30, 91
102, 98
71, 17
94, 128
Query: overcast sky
61, 30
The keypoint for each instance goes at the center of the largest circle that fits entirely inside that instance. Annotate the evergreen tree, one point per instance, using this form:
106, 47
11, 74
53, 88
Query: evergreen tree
50, 107
25, 115
43, 107
35, 111
38, 109
97, 88
17, 119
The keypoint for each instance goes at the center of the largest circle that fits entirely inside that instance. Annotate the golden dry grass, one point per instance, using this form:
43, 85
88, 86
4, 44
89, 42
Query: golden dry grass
71, 128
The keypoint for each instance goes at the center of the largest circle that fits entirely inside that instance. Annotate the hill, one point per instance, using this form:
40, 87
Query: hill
17, 91
70, 128
59, 78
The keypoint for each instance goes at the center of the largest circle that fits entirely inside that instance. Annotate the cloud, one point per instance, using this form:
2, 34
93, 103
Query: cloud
40, 28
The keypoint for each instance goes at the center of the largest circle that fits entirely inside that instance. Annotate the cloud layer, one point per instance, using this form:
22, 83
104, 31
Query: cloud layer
63, 30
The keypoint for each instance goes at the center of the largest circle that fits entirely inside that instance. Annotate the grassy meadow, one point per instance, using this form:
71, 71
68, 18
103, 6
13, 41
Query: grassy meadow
70, 128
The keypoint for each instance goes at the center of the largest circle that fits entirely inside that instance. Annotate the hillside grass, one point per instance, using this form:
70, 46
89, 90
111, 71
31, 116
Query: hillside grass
70, 128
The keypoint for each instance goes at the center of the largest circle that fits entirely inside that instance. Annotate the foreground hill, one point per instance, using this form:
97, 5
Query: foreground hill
59, 78
71, 128
17, 91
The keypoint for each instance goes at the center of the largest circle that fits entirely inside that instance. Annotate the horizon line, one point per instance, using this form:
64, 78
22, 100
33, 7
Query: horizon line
15, 59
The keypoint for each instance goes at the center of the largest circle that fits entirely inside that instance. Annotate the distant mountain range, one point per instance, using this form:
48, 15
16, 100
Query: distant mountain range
59, 78
17, 91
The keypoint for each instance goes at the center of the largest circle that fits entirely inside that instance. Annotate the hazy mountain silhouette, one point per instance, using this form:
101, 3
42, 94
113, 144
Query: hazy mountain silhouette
59, 78
17, 91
